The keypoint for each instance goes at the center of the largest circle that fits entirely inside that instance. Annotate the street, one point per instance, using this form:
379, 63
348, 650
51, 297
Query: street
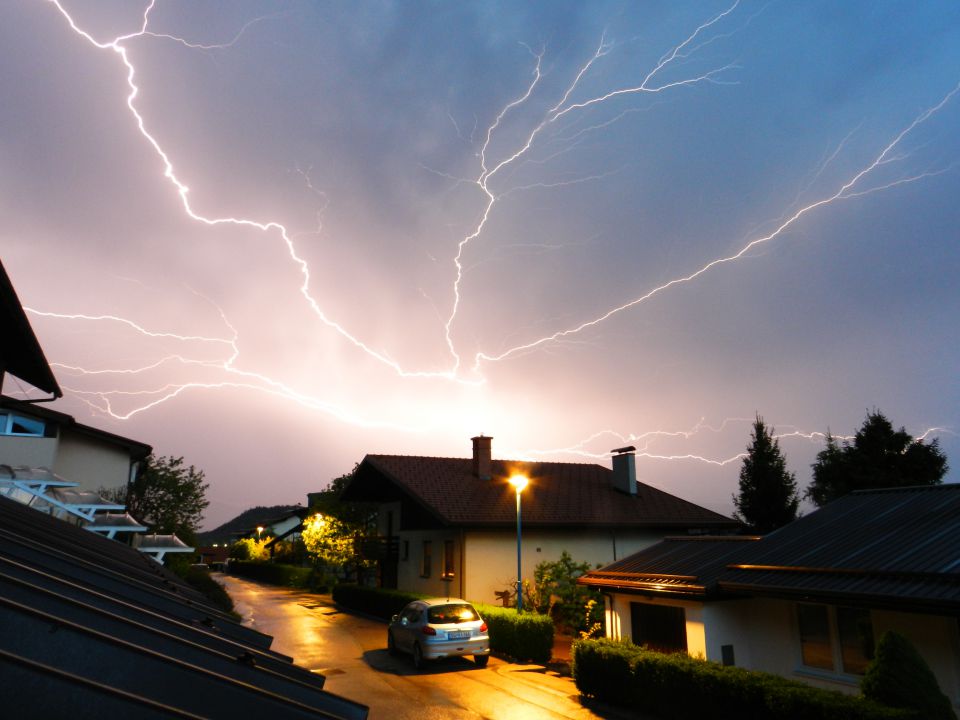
351, 652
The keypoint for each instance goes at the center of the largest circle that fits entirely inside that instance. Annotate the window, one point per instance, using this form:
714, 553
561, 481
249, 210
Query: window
815, 648
11, 424
406, 550
856, 639
448, 563
425, 560
836, 639
659, 627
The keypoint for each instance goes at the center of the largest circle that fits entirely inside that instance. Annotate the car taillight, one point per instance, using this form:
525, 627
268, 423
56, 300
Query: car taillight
427, 630
483, 628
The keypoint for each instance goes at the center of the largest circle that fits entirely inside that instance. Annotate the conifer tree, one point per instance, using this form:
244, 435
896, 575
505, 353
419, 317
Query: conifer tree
768, 491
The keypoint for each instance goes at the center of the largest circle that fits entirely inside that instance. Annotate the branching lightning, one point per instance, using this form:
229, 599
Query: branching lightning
491, 180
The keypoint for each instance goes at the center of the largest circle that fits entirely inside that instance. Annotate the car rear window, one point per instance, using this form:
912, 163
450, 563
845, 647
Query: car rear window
458, 613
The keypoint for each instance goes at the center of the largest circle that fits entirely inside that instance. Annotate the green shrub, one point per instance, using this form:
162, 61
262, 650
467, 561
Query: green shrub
379, 602
678, 687
524, 636
899, 676
286, 575
200, 579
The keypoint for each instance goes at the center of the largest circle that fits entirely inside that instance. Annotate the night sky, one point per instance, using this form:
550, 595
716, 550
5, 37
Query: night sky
571, 226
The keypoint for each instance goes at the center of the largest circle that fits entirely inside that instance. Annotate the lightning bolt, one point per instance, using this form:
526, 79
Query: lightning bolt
492, 167
848, 190
117, 46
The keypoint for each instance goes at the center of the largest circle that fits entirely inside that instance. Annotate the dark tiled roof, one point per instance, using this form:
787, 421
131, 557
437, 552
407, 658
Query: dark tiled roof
676, 565
559, 494
896, 547
89, 626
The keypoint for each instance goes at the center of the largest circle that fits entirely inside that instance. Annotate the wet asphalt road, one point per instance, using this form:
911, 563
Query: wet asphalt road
351, 652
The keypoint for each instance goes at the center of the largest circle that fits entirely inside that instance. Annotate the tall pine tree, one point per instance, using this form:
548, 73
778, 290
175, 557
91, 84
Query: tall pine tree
768, 491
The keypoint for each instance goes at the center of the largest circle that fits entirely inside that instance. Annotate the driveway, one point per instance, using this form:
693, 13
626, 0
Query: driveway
350, 651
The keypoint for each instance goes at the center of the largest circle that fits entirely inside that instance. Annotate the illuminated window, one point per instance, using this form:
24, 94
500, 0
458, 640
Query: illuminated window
815, 647
448, 558
659, 627
425, 560
835, 639
856, 639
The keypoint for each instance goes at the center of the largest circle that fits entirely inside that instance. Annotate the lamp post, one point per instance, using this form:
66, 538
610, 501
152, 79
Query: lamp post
259, 531
519, 482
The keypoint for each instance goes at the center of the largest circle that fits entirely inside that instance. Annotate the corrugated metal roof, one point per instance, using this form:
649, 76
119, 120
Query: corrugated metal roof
677, 564
89, 626
559, 494
897, 547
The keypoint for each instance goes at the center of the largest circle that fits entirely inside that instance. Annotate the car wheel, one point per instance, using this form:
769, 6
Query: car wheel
481, 660
391, 643
418, 660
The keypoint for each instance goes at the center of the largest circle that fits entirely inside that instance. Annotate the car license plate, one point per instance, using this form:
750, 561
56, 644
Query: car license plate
460, 635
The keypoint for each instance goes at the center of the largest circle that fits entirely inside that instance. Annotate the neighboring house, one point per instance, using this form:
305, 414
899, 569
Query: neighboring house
809, 600
51, 462
449, 525
36, 436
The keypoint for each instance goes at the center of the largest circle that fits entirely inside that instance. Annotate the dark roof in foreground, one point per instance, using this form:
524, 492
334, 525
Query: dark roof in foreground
897, 547
559, 494
89, 626
677, 565
21, 354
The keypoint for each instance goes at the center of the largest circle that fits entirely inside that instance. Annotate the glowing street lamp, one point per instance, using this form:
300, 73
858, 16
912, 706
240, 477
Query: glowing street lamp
519, 482
259, 531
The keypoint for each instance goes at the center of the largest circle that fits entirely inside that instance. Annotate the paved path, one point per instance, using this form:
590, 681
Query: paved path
351, 652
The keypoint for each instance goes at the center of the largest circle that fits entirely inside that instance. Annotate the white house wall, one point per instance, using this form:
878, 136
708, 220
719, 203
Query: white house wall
29, 451
764, 636
491, 555
91, 462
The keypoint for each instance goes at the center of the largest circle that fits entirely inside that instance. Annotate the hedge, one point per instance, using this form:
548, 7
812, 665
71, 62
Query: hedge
273, 573
523, 636
527, 636
677, 687
378, 602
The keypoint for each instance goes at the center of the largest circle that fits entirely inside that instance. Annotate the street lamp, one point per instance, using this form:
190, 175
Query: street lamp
259, 531
519, 482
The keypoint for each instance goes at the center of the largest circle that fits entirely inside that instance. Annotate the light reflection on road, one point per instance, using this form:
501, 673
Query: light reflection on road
350, 651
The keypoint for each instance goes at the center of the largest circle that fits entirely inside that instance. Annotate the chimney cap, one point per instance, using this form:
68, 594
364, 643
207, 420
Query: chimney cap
620, 451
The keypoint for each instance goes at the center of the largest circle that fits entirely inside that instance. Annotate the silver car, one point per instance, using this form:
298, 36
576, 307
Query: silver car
439, 628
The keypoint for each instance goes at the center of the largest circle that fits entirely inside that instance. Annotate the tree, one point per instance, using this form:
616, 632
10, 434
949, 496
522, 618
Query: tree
899, 677
878, 457
555, 592
168, 497
768, 496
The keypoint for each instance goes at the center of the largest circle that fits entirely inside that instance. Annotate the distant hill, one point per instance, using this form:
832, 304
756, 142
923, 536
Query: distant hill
243, 522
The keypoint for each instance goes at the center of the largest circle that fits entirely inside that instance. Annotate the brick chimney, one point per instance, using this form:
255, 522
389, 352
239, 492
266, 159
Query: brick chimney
481, 457
625, 469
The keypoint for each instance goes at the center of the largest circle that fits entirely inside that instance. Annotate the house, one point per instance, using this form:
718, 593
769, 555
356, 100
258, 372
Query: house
449, 525
35, 436
809, 600
51, 462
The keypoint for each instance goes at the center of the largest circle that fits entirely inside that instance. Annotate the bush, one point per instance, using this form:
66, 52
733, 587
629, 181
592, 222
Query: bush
677, 687
200, 579
286, 575
524, 636
378, 602
899, 676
